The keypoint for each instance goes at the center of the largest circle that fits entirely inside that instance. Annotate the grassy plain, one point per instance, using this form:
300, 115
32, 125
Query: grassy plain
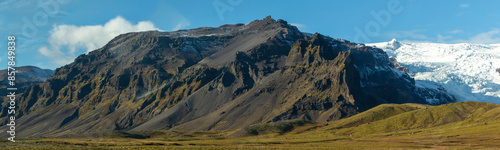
463, 125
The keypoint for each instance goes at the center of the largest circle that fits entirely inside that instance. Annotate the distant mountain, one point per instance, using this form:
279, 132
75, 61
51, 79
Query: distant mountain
28, 74
25, 76
223, 78
469, 71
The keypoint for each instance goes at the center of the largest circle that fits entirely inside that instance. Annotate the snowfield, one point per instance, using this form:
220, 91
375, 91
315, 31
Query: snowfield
467, 71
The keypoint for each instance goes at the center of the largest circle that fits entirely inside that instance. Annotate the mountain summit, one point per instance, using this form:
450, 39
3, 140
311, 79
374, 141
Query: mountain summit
223, 78
394, 43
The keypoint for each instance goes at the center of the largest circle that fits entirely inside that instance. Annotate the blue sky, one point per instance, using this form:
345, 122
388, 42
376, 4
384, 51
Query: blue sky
51, 33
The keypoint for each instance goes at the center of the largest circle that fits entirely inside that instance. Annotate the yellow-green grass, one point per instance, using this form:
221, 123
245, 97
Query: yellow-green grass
463, 125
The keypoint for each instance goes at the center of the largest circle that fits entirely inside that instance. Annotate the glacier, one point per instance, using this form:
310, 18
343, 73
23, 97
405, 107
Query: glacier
468, 71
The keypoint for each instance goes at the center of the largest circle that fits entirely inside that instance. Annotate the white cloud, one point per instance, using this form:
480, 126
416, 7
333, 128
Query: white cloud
56, 55
492, 36
181, 25
95, 36
456, 31
298, 25
463, 5
90, 37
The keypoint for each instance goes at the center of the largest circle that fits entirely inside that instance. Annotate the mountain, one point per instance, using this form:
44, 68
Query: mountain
468, 71
224, 78
25, 76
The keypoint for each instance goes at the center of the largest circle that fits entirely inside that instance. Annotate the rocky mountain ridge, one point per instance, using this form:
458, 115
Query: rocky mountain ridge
224, 78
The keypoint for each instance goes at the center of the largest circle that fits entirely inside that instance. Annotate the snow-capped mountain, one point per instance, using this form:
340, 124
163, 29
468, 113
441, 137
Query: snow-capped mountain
469, 71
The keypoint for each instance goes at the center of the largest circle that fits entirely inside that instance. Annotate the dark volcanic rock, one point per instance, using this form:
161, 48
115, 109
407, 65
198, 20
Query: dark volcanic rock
212, 79
25, 77
398, 66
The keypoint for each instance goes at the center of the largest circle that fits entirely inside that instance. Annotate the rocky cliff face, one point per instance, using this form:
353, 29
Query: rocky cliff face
25, 77
223, 78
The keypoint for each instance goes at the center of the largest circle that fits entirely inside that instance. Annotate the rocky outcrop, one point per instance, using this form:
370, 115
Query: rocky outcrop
398, 66
223, 78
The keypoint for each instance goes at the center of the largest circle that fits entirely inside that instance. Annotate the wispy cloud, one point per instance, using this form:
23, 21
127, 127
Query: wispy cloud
456, 31
489, 37
13, 4
66, 40
441, 38
463, 6
169, 17
492, 36
460, 14
21, 4
414, 34
424, 25
181, 25
57, 57
298, 25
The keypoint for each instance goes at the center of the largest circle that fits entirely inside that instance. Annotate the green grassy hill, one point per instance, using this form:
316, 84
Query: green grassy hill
393, 119
462, 125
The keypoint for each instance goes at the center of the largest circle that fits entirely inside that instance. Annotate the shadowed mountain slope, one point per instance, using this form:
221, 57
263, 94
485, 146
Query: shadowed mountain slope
223, 78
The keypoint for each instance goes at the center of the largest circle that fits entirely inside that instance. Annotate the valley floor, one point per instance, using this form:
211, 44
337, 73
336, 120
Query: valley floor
462, 125
270, 142
411, 139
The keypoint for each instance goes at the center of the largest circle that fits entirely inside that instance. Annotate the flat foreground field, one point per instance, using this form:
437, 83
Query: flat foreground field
463, 125
414, 139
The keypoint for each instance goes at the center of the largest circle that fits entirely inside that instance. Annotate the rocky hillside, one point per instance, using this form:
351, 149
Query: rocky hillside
26, 76
223, 78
